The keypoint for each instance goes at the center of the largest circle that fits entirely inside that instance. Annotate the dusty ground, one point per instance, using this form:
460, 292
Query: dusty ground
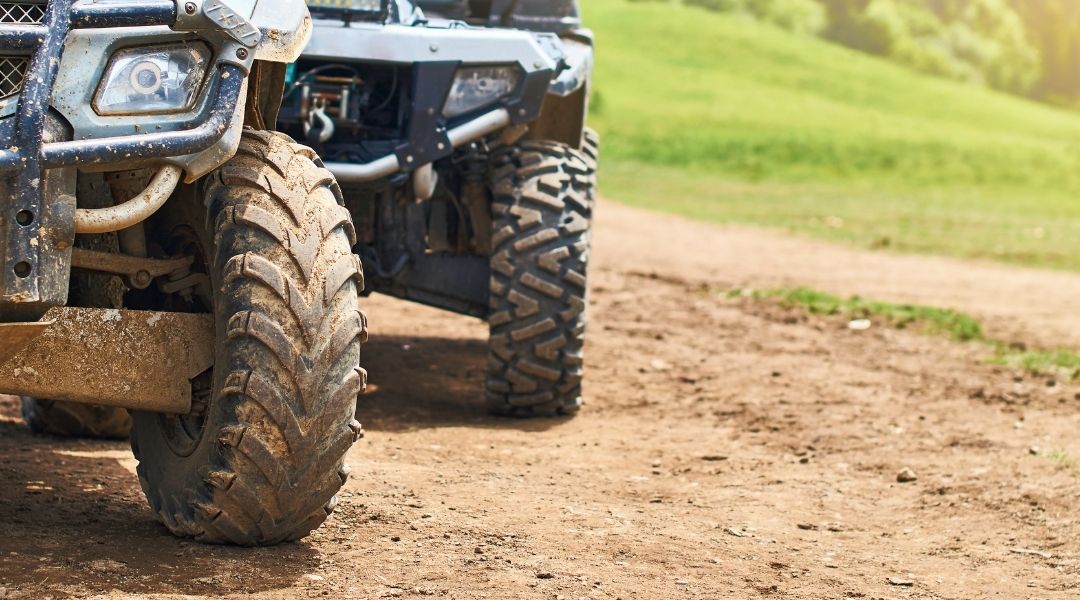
728, 449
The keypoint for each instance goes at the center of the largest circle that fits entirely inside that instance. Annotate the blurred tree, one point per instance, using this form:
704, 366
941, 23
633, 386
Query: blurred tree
1054, 26
982, 41
1028, 47
801, 16
848, 25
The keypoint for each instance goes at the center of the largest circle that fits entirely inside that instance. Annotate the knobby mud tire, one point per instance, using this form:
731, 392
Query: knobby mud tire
542, 203
268, 459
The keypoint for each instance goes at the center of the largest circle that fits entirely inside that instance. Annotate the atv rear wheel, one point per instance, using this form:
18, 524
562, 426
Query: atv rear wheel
75, 419
542, 207
260, 457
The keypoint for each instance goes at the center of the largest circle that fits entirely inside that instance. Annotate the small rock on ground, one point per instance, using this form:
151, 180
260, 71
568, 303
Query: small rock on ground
906, 475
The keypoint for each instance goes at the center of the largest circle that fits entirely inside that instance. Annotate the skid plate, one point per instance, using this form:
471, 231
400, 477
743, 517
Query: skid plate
140, 360
15, 336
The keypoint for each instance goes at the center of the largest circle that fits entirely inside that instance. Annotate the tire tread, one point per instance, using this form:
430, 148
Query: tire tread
287, 373
542, 210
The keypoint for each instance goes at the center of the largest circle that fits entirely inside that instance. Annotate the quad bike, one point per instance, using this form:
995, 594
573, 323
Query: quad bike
166, 251
456, 129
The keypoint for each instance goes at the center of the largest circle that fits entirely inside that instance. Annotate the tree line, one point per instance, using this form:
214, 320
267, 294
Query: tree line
1025, 47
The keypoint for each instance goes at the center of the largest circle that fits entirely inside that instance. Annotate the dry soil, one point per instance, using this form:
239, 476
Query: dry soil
729, 449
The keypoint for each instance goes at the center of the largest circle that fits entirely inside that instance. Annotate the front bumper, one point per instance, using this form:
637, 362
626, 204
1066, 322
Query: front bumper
433, 51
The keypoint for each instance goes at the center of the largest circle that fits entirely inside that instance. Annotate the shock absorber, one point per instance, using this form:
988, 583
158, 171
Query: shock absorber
474, 195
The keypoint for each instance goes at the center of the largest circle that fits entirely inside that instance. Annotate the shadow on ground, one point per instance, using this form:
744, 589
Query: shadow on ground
111, 541
421, 382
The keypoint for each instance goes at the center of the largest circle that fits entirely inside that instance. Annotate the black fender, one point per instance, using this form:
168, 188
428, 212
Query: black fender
266, 86
566, 105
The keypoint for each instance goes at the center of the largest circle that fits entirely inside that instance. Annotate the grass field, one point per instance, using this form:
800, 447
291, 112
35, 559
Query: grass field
958, 326
720, 118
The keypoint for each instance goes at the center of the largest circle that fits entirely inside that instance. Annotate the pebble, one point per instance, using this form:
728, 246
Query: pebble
900, 581
313, 577
859, 324
906, 475
545, 575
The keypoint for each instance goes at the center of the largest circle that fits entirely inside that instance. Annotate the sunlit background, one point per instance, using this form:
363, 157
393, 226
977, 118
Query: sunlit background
938, 126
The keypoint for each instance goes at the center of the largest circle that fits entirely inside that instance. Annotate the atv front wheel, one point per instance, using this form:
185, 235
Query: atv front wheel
542, 209
260, 457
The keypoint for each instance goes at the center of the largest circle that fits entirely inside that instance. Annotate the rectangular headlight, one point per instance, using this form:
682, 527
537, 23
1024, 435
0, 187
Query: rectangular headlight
477, 87
152, 79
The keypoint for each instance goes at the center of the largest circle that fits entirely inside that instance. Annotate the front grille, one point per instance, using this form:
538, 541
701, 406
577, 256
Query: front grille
13, 68
29, 12
12, 75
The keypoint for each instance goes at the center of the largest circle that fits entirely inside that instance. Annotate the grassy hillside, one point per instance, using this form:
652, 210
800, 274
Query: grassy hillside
726, 119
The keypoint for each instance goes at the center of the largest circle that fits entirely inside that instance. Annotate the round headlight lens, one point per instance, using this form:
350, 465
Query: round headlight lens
146, 77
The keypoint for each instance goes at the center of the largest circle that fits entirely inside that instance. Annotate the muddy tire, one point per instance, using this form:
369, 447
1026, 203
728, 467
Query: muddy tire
541, 209
76, 420
260, 458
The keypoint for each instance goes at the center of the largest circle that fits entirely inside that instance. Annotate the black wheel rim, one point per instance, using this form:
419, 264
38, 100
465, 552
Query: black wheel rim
183, 433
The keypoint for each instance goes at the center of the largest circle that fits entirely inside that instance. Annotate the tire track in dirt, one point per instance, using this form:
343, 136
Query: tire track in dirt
1033, 305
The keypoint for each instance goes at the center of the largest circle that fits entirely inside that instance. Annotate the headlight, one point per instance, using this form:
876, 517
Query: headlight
476, 87
153, 79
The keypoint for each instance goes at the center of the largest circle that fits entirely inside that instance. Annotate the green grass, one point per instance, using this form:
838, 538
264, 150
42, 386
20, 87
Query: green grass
1061, 457
938, 321
942, 321
725, 119
1040, 361
946, 322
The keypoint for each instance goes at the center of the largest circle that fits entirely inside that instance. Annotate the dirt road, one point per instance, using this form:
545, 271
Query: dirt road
728, 449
